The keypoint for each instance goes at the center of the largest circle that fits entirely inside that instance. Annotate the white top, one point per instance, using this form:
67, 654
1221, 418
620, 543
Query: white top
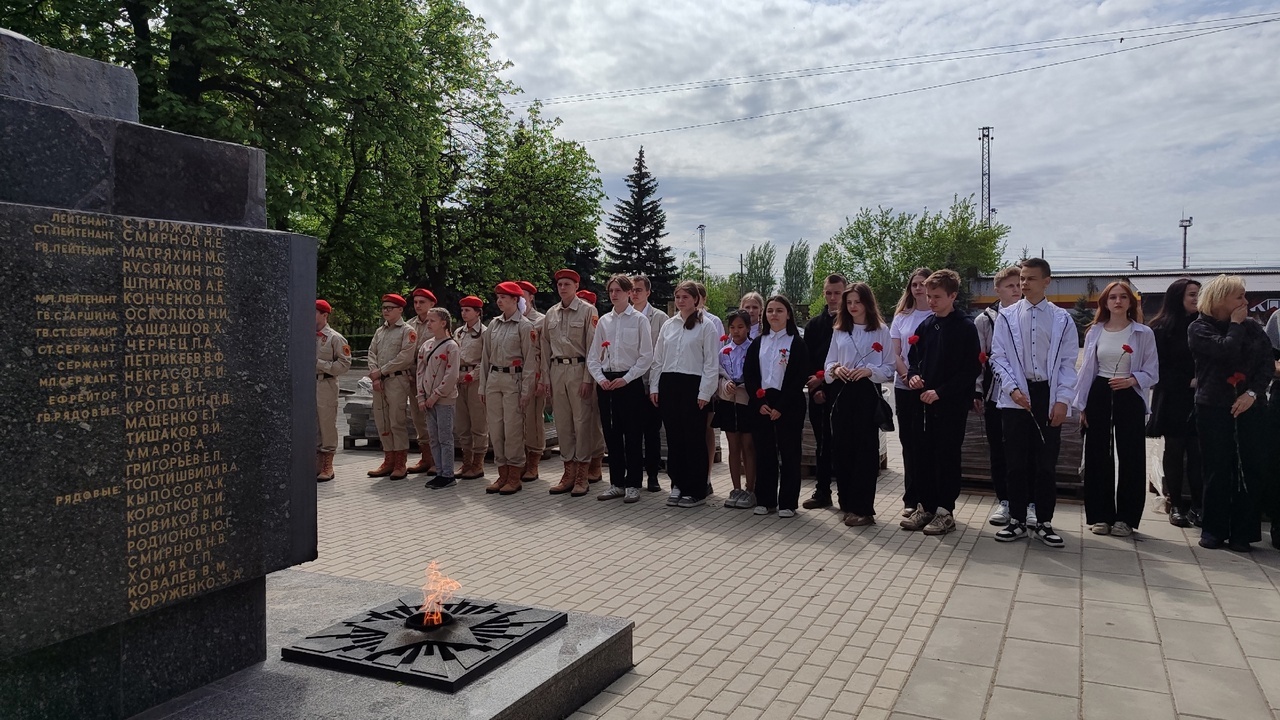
775, 349
629, 348
656, 317
690, 352
856, 349
753, 332
903, 327
717, 322
1113, 361
1036, 322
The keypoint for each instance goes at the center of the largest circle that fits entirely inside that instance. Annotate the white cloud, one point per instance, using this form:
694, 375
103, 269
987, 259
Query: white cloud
1093, 161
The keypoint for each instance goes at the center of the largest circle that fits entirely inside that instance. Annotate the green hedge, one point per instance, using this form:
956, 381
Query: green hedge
359, 343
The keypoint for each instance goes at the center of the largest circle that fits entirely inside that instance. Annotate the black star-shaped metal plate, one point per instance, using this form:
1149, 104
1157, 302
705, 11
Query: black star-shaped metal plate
482, 636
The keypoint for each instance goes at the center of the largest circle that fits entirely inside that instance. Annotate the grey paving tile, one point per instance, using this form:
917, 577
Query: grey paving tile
1045, 623
1258, 638
973, 603
1130, 622
1248, 602
1243, 574
1049, 589
1052, 561
945, 691
1114, 587
964, 641
1200, 643
1037, 666
1216, 692
1110, 560
1186, 576
1125, 663
1108, 702
1192, 605
990, 574
1041, 706
1165, 550
1268, 674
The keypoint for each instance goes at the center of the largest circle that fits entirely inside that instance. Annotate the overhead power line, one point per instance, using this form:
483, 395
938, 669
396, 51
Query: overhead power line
906, 61
936, 86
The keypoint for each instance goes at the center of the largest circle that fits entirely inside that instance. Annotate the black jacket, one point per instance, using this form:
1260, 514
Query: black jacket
946, 357
817, 339
1222, 349
790, 400
1173, 398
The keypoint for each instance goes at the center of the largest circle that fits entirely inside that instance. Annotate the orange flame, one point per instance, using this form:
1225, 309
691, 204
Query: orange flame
437, 591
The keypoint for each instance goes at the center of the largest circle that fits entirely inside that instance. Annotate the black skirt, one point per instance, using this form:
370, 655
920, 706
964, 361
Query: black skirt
732, 417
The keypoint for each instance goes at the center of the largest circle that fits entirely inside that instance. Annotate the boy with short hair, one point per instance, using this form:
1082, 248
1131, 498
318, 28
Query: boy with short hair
1008, 287
1033, 358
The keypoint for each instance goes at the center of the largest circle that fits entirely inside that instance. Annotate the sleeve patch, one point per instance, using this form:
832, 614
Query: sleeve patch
346, 349
413, 337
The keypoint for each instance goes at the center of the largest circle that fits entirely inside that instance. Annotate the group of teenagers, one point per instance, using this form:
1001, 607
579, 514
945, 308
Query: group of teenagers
616, 380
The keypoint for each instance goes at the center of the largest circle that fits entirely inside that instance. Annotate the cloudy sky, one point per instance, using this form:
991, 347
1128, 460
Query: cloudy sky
1094, 160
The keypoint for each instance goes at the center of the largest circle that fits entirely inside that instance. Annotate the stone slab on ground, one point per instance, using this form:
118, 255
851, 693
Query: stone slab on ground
549, 680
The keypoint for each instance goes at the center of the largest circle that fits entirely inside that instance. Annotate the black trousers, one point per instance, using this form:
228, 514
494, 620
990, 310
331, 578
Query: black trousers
820, 421
910, 430
1119, 415
651, 433
938, 476
993, 422
1183, 480
1236, 476
622, 418
1032, 455
686, 426
778, 444
856, 458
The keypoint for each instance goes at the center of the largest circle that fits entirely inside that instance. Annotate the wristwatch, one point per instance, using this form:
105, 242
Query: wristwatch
1251, 394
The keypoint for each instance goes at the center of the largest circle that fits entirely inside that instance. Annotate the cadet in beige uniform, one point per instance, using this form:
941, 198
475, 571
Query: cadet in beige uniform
535, 437
568, 330
470, 429
391, 366
423, 300
333, 358
508, 348
595, 467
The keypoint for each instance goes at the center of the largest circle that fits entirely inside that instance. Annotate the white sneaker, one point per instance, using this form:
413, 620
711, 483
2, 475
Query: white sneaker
785, 513
613, 493
1032, 521
1000, 515
633, 495
732, 500
761, 510
674, 498
746, 500
1121, 529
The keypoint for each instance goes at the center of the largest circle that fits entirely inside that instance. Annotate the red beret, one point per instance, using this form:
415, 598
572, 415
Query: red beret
471, 301
423, 292
394, 298
508, 288
527, 286
324, 307
588, 296
567, 273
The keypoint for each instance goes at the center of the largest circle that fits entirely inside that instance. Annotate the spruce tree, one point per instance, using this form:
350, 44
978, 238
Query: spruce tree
636, 228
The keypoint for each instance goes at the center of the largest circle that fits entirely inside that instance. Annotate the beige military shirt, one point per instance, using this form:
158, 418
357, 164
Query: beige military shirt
536, 318
333, 355
470, 347
567, 332
506, 344
394, 349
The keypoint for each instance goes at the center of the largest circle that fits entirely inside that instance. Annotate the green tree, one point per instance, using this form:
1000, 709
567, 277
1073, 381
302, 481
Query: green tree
881, 248
796, 274
636, 228
758, 269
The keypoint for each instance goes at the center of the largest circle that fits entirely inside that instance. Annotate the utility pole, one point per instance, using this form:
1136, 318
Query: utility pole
1184, 223
985, 208
1134, 262
742, 286
702, 248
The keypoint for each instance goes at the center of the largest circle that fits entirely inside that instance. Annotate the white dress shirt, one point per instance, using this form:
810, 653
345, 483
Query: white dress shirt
1036, 322
855, 350
773, 359
630, 347
903, 327
689, 352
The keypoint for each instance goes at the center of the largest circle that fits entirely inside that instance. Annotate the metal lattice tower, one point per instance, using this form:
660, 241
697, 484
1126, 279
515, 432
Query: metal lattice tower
985, 208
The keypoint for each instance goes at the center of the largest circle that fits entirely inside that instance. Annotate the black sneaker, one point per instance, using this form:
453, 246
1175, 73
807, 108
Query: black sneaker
653, 484
1209, 542
438, 482
816, 501
1045, 534
1015, 530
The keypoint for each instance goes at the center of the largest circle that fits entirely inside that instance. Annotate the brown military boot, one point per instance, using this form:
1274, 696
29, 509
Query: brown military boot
319, 464
512, 485
425, 464
477, 466
595, 470
581, 484
566, 480
498, 484
400, 472
532, 458
325, 471
388, 464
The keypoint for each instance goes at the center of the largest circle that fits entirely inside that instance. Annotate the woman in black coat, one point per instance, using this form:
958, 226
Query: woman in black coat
1173, 402
774, 373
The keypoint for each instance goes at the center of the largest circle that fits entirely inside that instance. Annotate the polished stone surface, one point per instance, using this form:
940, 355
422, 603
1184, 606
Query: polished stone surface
549, 680
33, 72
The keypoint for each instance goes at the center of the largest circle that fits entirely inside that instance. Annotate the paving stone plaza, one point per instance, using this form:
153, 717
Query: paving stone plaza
741, 617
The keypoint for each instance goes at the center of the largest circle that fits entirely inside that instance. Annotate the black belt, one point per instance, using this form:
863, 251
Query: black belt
568, 361
466, 368
325, 376
1045, 383
614, 374
398, 372
517, 369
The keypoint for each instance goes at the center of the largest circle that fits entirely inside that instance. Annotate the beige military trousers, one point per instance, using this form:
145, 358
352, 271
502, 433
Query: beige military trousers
535, 434
470, 421
506, 421
573, 413
326, 413
391, 411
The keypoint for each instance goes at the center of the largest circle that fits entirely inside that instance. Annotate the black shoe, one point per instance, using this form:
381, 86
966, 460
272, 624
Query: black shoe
1209, 542
1044, 533
1177, 519
1015, 530
1240, 547
438, 482
1275, 535
1193, 517
653, 485
815, 501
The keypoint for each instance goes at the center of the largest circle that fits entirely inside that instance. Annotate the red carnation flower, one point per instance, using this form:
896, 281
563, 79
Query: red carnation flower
913, 339
467, 378
604, 344
783, 351
760, 393
982, 358
820, 374
517, 362
726, 350
724, 338
877, 347
443, 356
1236, 379
1126, 348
